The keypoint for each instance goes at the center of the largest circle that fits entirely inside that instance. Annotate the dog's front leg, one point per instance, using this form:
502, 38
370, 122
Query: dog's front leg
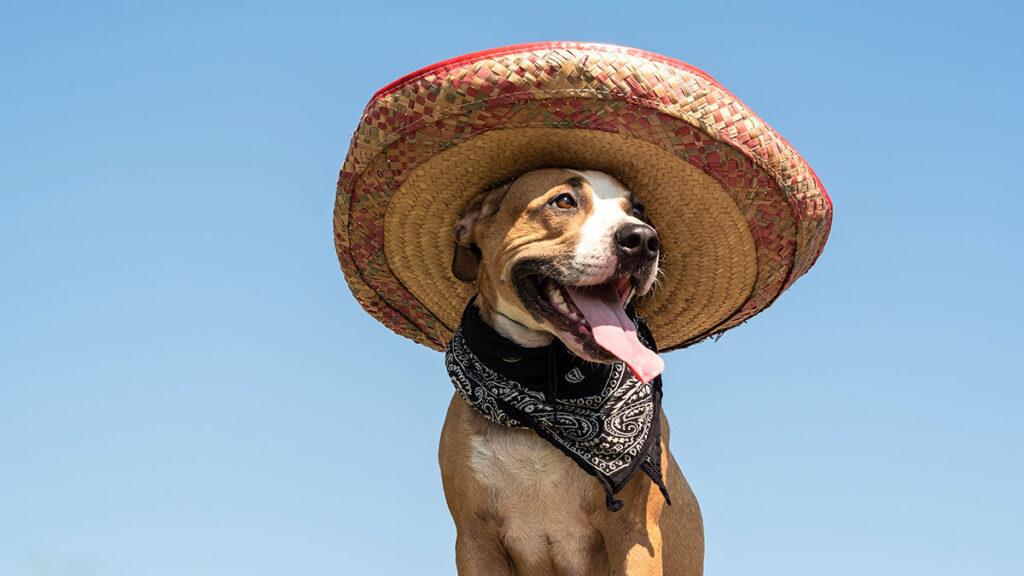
479, 551
649, 537
632, 536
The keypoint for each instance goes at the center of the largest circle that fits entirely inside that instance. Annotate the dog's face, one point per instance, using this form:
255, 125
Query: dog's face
559, 251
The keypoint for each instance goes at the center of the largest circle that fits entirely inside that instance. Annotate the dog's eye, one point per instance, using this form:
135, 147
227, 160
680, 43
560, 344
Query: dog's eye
638, 210
564, 202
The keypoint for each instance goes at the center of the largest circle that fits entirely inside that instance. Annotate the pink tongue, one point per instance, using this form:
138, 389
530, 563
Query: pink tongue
614, 331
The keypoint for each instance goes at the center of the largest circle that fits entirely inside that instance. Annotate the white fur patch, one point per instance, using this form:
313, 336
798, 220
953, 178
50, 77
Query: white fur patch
540, 493
594, 254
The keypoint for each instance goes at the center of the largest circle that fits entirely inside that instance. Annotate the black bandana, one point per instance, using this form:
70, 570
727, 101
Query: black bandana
600, 415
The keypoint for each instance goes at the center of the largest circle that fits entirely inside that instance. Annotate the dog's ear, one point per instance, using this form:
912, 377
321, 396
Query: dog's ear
467, 256
466, 263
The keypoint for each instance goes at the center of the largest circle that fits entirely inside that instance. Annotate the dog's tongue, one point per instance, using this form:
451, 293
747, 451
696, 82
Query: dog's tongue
614, 331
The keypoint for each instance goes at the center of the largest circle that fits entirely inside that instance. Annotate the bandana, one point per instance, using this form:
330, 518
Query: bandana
600, 415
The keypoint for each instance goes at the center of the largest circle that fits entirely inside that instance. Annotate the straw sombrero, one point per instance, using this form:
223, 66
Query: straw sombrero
740, 214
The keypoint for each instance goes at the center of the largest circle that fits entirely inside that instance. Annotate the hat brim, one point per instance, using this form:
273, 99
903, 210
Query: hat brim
740, 213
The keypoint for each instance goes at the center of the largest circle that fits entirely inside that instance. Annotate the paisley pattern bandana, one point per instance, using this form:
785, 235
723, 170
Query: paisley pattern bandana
600, 415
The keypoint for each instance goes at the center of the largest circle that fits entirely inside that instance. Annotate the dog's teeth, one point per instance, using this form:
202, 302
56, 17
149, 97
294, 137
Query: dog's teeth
556, 297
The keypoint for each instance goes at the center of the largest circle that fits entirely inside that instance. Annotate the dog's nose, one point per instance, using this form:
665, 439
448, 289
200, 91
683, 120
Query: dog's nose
637, 241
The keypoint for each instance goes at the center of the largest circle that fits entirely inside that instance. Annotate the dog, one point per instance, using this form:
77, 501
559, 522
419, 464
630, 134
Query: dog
522, 507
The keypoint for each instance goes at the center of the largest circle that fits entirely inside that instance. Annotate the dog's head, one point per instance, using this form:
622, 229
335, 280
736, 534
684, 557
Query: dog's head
561, 252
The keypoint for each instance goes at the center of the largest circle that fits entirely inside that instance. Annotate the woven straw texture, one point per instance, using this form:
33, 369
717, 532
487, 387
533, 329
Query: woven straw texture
740, 214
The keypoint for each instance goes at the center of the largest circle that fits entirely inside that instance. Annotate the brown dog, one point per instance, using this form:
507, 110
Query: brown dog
522, 507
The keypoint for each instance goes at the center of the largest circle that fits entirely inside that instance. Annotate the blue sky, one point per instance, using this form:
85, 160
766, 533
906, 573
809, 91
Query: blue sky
187, 386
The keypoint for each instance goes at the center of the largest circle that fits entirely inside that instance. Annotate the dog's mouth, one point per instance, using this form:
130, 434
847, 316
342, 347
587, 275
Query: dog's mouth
591, 320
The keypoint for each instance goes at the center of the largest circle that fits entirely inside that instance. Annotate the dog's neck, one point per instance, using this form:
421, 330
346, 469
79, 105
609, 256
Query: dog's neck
510, 328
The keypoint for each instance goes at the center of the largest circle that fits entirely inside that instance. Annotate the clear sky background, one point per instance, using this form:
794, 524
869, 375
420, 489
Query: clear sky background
188, 387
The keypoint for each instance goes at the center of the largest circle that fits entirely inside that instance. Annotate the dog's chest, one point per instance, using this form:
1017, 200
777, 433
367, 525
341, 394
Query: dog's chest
540, 499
